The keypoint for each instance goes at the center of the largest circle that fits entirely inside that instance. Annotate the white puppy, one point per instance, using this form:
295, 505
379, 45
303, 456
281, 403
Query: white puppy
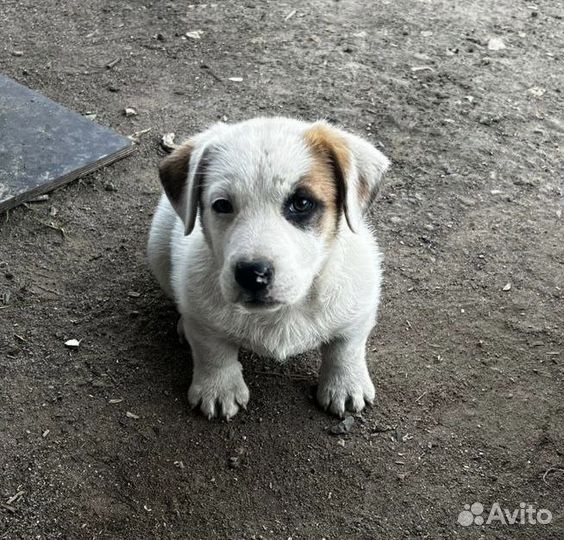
280, 260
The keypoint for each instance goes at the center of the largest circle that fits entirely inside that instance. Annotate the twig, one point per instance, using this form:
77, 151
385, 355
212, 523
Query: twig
8, 507
211, 72
113, 63
15, 497
420, 396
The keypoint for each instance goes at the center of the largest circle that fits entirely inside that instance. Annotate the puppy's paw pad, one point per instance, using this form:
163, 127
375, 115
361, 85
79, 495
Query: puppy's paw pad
219, 395
340, 392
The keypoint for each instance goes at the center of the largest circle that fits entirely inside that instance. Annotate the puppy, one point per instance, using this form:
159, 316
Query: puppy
261, 242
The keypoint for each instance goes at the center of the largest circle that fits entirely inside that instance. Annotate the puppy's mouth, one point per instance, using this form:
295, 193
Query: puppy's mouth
254, 304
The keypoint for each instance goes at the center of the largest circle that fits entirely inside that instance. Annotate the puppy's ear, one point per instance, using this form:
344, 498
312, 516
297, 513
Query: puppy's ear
358, 168
182, 175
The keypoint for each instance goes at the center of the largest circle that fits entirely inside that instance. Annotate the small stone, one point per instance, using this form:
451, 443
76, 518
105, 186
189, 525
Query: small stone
342, 427
133, 294
507, 287
108, 186
537, 91
167, 142
72, 343
496, 44
195, 34
236, 79
129, 112
131, 415
17, 53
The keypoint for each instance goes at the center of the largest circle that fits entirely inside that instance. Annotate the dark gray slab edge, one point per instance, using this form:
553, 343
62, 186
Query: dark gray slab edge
44, 145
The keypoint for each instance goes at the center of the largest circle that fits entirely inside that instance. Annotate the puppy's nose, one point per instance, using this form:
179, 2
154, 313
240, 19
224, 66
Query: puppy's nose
254, 276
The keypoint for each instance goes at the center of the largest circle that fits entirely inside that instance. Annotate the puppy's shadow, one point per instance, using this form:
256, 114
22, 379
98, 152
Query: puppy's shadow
153, 339
166, 364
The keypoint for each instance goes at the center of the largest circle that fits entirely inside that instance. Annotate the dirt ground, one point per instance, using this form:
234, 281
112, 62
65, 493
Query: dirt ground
467, 353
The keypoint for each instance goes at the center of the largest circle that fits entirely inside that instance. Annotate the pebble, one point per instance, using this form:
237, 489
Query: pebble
496, 44
342, 427
167, 142
195, 34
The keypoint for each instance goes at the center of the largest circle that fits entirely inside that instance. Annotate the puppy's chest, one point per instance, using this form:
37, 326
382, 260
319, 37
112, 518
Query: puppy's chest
278, 336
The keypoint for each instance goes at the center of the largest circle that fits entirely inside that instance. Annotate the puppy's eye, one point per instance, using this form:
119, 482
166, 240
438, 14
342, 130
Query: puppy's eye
301, 205
222, 206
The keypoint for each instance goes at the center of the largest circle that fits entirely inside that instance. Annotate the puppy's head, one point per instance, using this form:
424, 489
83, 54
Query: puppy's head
272, 196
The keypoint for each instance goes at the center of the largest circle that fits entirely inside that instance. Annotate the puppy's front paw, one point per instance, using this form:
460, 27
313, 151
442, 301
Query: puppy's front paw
219, 393
340, 390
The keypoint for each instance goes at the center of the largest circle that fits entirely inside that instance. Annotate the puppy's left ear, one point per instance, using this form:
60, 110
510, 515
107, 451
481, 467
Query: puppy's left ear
357, 164
182, 175
370, 165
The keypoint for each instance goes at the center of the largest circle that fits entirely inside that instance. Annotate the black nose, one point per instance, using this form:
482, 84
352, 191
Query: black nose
253, 276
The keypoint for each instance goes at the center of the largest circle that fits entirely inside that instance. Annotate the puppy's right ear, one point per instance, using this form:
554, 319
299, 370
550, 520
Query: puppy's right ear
182, 175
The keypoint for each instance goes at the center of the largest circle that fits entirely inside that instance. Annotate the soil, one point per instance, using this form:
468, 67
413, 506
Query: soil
99, 442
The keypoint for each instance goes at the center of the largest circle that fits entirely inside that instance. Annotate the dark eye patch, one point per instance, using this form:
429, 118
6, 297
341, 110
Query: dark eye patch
303, 209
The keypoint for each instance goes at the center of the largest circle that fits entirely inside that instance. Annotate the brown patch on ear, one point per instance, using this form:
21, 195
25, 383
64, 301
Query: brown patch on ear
173, 171
321, 184
327, 179
364, 193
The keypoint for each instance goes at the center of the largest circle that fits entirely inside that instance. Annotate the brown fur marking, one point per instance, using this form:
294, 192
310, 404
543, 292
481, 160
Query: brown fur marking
174, 169
364, 192
326, 180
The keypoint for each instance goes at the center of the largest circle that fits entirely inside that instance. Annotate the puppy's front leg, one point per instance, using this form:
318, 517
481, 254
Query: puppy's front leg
217, 377
344, 381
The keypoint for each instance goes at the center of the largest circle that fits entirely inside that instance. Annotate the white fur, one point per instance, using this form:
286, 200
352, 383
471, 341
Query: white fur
328, 291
